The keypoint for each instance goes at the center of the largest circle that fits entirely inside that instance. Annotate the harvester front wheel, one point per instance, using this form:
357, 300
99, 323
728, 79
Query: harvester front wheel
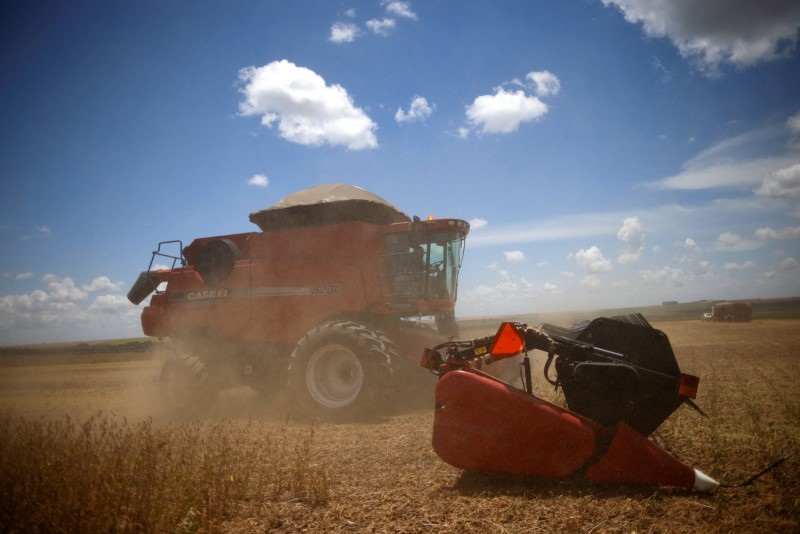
341, 370
446, 324
184, 383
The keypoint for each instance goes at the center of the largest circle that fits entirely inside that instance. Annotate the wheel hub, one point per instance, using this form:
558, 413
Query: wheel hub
334, 376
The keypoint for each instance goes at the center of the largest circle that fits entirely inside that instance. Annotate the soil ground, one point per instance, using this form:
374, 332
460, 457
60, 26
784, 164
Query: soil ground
385, 477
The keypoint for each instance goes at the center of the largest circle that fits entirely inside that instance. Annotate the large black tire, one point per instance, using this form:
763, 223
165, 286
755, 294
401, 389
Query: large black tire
446, 324
342, 370
265, 370
184, 383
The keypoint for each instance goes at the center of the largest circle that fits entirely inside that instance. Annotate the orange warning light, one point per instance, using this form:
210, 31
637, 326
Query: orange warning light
688, 387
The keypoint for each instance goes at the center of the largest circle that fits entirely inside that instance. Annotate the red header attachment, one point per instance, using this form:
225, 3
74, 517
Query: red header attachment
508, 341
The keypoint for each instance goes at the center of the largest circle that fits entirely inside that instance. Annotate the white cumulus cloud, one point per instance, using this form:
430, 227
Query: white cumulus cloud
381, 27
733, 266
514, 256
691, 247
63, 312
102, 283
511, 294
789, 264
734, 242
545, 82
504, 111
63, 289
590, 281
783, 183
418, 111
307, 109
787, 233
344, 32
259, 180
110, 305
664, 277
715, 32
400, 9
477, 222
592, 260
632, 235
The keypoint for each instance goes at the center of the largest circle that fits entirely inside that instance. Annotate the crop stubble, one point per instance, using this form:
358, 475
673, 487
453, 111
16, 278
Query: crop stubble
383, 476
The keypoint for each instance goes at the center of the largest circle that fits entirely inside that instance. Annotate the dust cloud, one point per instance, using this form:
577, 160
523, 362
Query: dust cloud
126, 385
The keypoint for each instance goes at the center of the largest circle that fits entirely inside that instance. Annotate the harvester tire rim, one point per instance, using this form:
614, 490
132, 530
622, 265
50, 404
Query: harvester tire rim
334, 376
342, 370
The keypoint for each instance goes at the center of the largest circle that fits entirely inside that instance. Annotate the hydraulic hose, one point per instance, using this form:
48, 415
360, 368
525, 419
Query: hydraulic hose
761, 473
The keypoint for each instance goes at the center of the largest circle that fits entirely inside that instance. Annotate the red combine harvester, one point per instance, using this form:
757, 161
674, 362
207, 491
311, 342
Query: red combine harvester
326, 295
620, 380
323, 293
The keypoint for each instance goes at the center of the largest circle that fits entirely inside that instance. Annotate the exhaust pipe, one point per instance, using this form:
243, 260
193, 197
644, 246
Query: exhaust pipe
147, 282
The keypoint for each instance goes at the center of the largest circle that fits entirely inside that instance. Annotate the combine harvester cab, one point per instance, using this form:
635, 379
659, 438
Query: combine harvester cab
322, 298
620, 380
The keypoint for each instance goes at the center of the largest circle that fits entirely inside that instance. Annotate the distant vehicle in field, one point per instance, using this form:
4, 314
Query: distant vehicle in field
731, 312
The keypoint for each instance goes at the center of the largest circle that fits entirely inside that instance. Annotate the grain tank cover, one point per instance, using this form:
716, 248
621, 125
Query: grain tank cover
326, 204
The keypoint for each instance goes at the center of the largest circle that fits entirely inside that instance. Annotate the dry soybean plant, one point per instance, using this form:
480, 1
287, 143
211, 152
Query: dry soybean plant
106, 474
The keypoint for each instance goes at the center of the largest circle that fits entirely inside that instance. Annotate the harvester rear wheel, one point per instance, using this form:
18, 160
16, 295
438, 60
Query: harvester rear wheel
342, 370
184, 382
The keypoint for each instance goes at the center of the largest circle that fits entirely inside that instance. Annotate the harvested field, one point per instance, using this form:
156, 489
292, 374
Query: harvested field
383, 476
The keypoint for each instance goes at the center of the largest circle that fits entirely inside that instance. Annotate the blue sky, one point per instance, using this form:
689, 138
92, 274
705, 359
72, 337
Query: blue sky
607, 152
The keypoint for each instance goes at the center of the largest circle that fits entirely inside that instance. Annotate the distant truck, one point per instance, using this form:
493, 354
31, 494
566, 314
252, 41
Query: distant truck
731, 312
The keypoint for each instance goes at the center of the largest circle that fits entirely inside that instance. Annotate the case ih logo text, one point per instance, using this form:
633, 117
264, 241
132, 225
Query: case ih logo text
206, 295
210, 295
